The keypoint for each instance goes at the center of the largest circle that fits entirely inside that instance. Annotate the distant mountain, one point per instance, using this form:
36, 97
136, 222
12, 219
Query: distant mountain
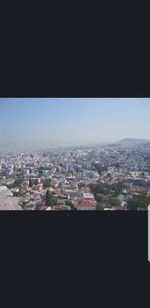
132, 141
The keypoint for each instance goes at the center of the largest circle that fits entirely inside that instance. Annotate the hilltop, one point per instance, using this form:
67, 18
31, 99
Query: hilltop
132, 141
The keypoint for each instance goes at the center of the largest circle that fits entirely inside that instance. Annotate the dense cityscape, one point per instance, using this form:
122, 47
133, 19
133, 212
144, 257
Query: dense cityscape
113, 176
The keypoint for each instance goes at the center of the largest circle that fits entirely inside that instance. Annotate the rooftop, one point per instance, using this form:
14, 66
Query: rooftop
88, 196
87, 203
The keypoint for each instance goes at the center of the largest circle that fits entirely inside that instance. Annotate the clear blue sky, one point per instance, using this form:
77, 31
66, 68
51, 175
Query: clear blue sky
26, 122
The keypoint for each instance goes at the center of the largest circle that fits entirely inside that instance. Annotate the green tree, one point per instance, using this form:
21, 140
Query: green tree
99, 207
140, 201
46, 183
118, 188
99, 189
10, 186
68, 202
47, 197
80, 185
17, 194
30, 182
16, 183
99, 199
40, 171
114, 202
50, 199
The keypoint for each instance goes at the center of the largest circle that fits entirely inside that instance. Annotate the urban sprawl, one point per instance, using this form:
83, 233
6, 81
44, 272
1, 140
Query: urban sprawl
103, 177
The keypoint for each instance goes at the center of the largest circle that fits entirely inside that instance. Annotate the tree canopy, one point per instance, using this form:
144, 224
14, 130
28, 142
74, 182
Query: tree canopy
46, 183
140, 201
80, 185
15, 184
99, 207
50, 199
99, 189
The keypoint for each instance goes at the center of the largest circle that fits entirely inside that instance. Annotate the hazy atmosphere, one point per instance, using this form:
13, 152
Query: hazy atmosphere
50, 122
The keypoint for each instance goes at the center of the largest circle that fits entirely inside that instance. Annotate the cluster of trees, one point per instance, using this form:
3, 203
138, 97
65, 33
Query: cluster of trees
46, 183
117, 188
99, 199
80, 185
15, 184
99, 207
114, 201
17, 194
33, 182
99, 189
140, 201
51, 200
69, 203
105, 189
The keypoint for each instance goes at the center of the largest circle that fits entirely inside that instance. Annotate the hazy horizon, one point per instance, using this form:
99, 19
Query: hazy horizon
54, 122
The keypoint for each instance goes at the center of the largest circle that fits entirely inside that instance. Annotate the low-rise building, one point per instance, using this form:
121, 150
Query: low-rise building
86, 205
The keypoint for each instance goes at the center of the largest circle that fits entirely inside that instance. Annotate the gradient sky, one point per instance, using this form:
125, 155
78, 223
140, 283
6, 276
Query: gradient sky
47, 122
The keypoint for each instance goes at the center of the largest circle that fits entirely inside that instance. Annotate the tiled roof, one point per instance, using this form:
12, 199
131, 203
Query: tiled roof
54, 181
57, 191
87, 203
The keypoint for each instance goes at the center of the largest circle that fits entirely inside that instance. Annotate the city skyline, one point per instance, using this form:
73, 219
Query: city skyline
54, 122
